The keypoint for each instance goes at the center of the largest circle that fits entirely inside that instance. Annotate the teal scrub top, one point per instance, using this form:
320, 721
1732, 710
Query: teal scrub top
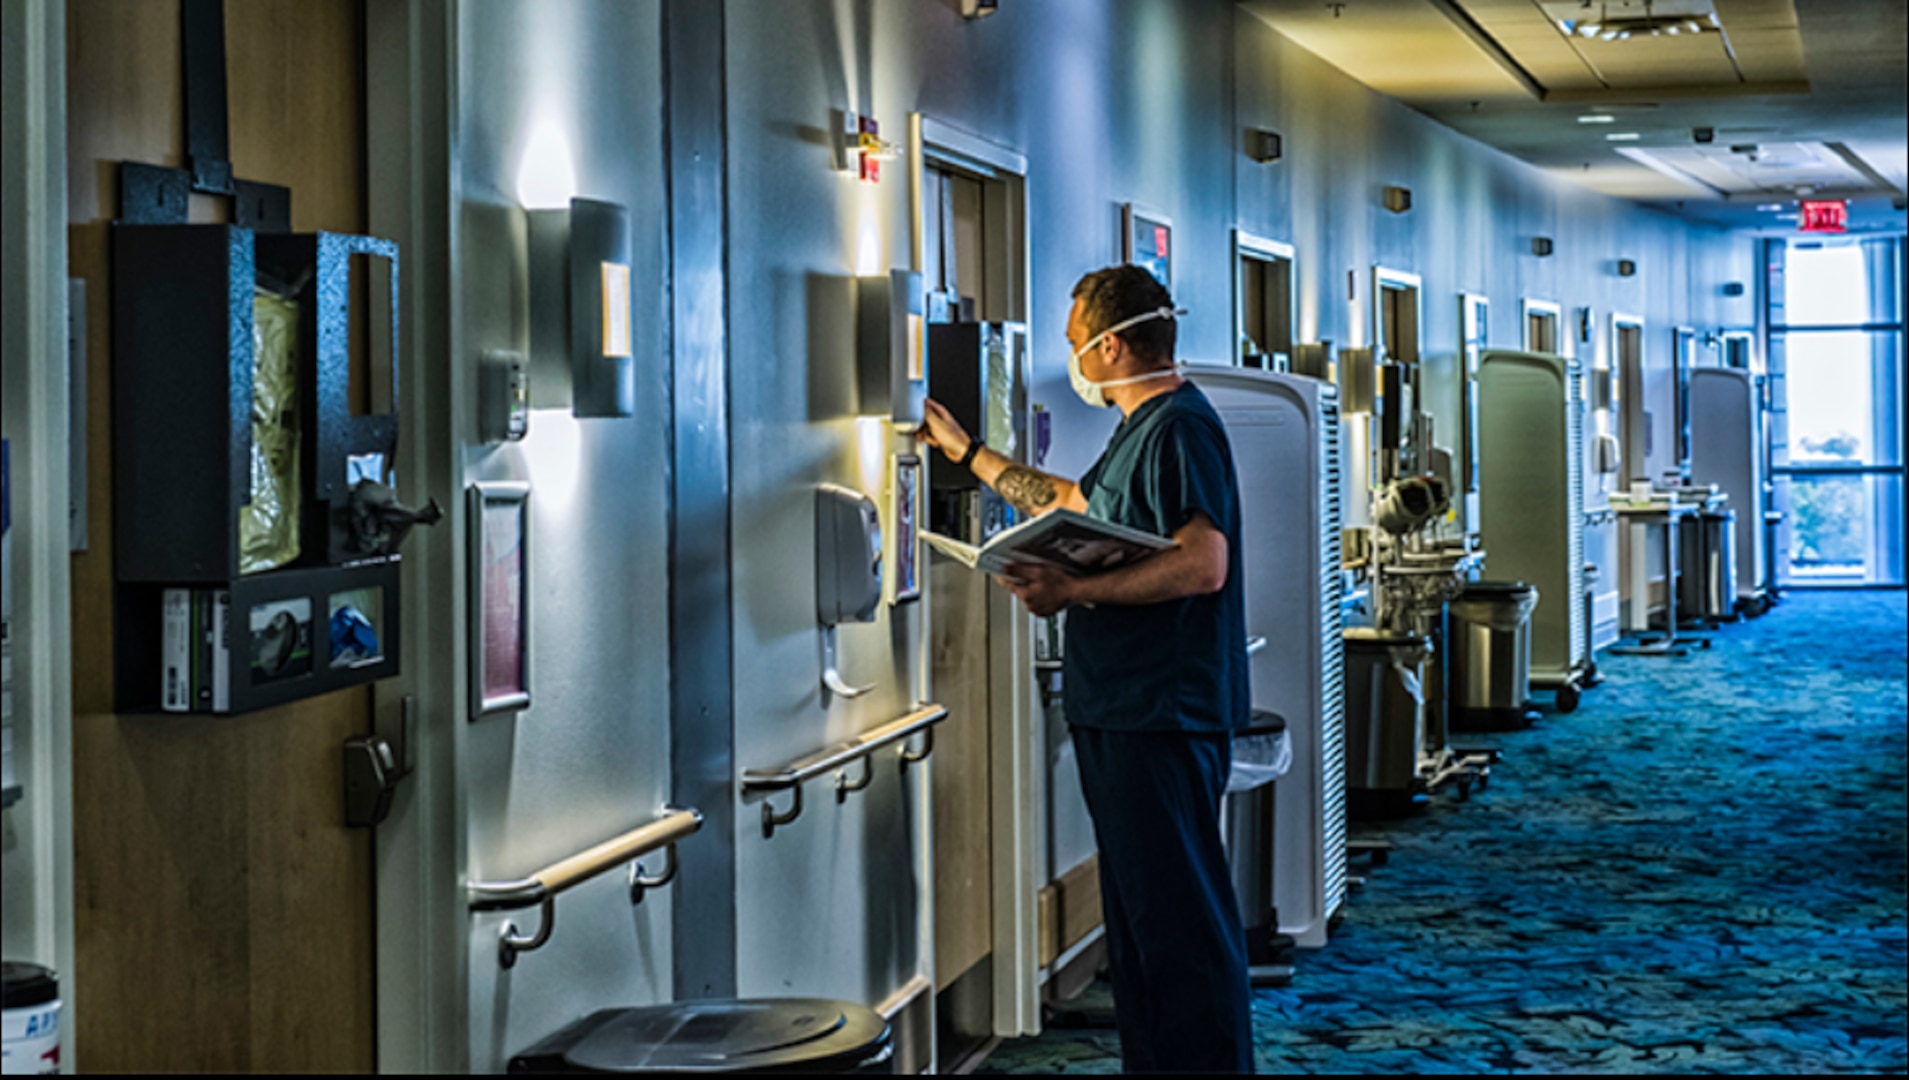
1178, 665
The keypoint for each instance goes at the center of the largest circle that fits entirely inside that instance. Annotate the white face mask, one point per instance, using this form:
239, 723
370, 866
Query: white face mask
1091, 392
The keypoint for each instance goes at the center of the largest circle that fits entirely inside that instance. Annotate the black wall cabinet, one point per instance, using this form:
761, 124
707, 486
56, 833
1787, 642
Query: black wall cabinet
183, 321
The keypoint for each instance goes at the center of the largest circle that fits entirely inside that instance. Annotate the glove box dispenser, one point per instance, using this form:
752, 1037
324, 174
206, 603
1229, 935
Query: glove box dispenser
256, 525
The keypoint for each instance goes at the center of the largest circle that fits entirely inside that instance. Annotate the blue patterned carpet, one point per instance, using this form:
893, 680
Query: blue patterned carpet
1700, 870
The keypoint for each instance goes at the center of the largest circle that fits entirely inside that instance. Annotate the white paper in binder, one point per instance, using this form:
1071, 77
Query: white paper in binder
175, 651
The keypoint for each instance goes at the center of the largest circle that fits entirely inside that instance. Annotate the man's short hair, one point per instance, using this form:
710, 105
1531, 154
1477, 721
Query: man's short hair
1117, 293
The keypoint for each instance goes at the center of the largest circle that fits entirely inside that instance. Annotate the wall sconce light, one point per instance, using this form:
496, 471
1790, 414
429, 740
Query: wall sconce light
1358, 377
1601, 389
580, 332
891, 347
1313, 358
1733, 288
977, 9
1264, 146
1541, 246
1397, 199
1626, 268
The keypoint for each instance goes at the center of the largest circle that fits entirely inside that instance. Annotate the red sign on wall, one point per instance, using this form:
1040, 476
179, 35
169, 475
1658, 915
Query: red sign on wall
1823, 215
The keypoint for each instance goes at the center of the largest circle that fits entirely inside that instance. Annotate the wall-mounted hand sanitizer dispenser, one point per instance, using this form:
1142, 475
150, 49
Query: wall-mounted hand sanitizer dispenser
848, 556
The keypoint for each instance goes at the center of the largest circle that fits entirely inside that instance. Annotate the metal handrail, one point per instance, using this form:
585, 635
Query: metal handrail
791, 777
541, 888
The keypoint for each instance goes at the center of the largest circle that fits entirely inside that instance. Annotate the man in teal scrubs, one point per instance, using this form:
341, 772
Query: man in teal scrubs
1155, 673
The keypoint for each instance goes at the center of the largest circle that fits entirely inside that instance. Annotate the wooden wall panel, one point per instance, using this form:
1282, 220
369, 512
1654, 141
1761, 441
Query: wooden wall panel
223, 914
964, 880
1069, 909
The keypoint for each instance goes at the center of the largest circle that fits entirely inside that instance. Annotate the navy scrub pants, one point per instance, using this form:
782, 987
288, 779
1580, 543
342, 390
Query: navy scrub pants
1175, 946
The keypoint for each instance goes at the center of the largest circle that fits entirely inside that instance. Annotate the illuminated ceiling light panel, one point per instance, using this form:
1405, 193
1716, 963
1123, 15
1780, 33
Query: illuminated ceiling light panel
1597, 118
1623, 136
1619, 20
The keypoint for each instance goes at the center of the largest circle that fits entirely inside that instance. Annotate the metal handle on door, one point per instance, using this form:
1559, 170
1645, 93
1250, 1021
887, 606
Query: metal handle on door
371, 777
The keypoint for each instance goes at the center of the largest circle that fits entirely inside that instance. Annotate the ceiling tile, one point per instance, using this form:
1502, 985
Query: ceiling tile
1770, 55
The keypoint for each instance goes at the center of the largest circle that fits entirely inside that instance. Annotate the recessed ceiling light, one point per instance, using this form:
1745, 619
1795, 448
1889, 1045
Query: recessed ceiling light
1769, 206
1623, 136
1597, 118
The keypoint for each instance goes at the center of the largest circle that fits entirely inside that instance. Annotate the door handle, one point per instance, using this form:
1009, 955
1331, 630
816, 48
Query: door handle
371, 777
372, 768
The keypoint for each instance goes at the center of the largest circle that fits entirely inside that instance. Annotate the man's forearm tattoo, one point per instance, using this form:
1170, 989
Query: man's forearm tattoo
1028, 491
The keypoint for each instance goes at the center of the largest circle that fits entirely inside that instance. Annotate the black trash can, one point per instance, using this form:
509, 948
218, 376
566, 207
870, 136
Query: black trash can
756, 1035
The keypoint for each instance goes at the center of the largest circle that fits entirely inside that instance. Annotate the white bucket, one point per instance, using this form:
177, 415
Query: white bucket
30, 1022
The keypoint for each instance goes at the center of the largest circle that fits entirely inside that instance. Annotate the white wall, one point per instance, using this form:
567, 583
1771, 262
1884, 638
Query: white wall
1095, 96
590, 758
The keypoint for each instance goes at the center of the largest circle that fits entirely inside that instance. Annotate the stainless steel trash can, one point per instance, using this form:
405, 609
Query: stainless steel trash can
1707, 566
1385, 691
1490, 665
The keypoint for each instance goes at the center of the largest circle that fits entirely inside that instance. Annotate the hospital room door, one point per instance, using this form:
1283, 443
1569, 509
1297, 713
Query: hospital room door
223, 911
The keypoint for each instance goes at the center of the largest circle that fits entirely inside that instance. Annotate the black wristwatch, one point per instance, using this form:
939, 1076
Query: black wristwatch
974, 447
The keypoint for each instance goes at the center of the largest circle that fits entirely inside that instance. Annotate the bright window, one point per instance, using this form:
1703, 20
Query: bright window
1836, 423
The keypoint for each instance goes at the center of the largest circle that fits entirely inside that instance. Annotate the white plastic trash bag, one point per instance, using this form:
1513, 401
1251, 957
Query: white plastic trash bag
1259, 760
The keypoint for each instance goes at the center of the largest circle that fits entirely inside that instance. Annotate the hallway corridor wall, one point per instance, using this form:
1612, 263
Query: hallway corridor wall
1143, 103
555, 100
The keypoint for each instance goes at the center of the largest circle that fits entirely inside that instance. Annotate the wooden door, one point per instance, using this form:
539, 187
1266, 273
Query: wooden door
223, 911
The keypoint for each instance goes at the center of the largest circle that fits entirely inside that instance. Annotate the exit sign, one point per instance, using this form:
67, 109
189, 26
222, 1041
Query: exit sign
1823, 215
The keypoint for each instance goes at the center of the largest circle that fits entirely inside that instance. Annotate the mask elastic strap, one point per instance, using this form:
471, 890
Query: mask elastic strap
1156, 313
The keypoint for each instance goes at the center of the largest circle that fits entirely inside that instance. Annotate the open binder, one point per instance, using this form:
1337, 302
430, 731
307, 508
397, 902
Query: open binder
1071, 541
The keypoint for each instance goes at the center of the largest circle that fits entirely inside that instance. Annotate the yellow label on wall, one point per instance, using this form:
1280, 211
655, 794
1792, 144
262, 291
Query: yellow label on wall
917, 346
616, 309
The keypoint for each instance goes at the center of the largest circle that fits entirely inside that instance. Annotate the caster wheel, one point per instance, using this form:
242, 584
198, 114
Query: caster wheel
1464, 790
1567, 698
1483, 780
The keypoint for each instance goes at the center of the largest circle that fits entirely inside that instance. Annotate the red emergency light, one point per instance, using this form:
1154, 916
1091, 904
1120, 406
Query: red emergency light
1823, 216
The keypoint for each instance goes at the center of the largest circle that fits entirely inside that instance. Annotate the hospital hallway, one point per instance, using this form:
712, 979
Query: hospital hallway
1700, 870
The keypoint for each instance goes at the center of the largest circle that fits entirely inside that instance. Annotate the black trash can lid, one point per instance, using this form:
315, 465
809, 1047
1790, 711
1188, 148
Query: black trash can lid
23, 984
792, 1034
1265, 722
1496, 588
